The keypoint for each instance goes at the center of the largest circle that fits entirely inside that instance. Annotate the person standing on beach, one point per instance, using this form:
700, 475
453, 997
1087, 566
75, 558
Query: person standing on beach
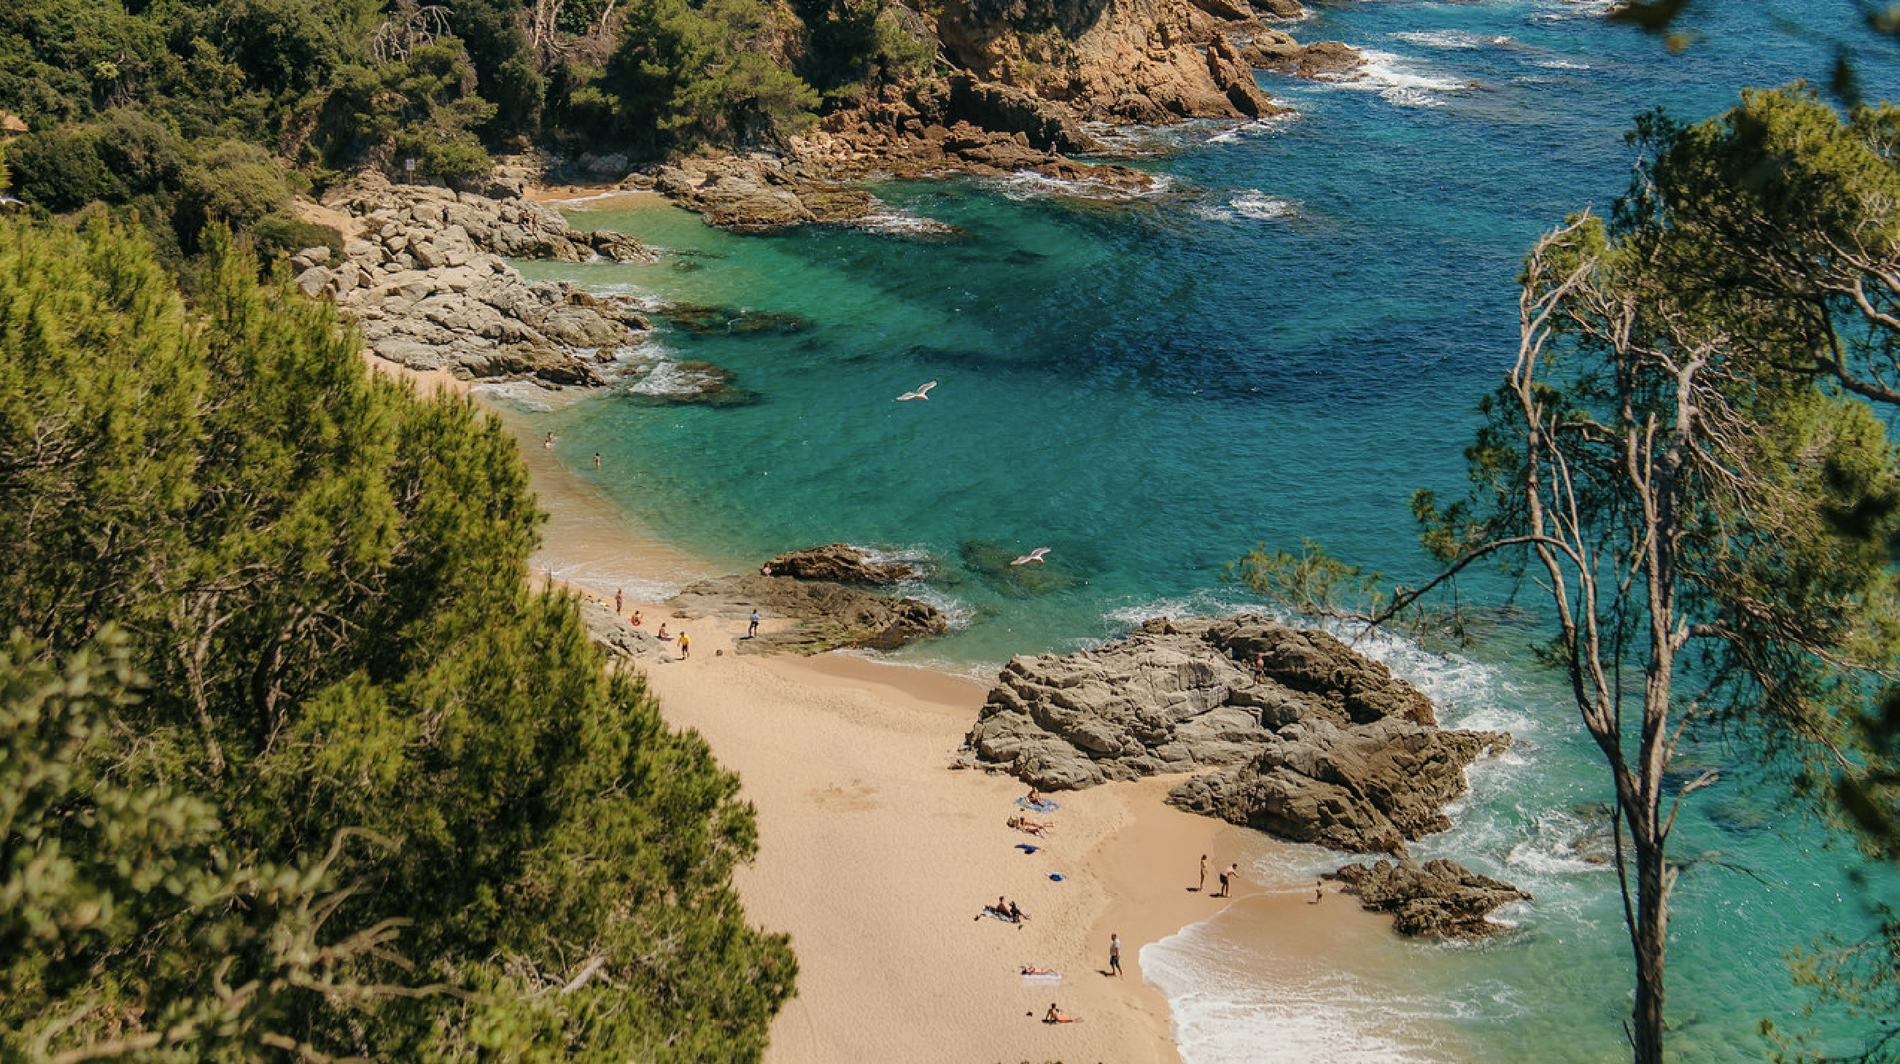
1115, 955
686, 646
1203, 885
752, 629
1227, 876
619, 601
1319, 891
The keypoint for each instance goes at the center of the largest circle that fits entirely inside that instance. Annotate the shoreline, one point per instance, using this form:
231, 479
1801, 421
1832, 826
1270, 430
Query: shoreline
874, 855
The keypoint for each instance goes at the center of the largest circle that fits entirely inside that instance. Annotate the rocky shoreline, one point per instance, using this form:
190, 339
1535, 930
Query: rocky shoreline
1287, 732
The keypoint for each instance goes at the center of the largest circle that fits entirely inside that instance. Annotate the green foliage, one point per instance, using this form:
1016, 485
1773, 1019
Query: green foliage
420, 108
506, 71
854, 43
325, 580
687, 74
126, 927
1312, 582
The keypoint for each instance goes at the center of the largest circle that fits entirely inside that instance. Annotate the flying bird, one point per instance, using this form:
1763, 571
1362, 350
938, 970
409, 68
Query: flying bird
1032, 556
922, 392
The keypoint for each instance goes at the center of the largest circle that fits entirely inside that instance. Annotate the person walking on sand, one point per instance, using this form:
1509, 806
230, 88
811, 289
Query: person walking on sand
686, 646
752, 627
1203, 885
1115, 955
619, 601
1227, 876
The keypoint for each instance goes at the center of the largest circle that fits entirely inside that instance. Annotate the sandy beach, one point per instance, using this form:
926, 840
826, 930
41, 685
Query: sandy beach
877, 857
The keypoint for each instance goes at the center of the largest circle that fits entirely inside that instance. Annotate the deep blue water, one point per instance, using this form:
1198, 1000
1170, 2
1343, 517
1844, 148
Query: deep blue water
1283, 344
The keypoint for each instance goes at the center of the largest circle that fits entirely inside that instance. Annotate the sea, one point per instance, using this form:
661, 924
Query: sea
1280, 343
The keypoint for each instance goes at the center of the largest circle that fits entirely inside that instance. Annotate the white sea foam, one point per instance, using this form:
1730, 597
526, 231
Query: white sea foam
1251, 204
1259, 127
1453, 40
1227, 1011
521, 395
894, 221
1562, 843
1396, 80
664, 377
1562, 64
1027, 184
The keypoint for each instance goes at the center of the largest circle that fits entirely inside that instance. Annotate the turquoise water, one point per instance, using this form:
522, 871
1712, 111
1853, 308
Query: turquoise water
1284, 343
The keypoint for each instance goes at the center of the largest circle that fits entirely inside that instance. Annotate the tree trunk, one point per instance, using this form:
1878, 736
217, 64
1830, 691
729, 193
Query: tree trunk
1649, 938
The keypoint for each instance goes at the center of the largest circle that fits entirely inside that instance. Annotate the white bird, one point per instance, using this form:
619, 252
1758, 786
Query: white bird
1032, 556
922, 392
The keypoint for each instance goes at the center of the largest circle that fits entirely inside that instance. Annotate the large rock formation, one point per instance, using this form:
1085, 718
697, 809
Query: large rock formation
1148, 61
1363, 789
831, 616
1435, 898
840, 563
1311, 741
424, 281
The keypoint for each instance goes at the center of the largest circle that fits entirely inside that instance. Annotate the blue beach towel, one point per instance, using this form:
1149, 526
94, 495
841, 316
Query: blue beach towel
1057, 876
1025, 847
1044, 806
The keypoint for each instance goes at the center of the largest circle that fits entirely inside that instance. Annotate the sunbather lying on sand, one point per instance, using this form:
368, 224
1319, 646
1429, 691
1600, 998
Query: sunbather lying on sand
1032, 827
1034, 969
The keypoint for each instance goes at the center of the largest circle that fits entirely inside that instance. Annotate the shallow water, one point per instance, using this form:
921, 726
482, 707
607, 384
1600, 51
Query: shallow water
1283, 343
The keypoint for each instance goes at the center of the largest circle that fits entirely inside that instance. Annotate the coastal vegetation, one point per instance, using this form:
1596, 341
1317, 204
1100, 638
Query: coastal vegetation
1690, 458
292, 761
218, 111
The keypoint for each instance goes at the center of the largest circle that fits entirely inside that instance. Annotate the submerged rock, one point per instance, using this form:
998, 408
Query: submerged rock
687, 382
990, 561
701, 319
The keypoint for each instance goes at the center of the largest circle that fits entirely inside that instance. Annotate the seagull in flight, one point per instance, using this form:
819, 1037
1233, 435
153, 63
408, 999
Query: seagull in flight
922, 392
1032, 556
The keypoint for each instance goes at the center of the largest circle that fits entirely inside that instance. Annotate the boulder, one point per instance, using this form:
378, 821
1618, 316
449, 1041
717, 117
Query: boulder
1363, 789
1440, 898
432, 292
1274, 50
840, 563
1307, 739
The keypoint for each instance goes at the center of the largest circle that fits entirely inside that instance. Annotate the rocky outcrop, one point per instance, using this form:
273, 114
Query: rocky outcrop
1310, 740
831, 616
423, 279
1363, 789
840, 563
614, 634
758, 192
1439, 898
1274, 50
1146, 61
